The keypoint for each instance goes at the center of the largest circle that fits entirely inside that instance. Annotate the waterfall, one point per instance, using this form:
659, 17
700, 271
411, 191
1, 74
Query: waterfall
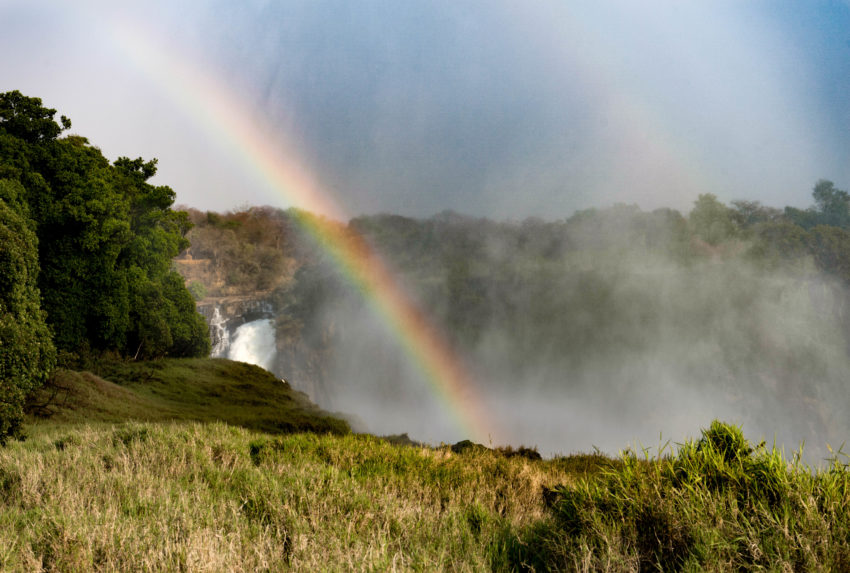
254, 342
219, 334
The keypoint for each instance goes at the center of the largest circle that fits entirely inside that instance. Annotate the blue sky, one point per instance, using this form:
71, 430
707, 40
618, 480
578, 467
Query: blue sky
498, 109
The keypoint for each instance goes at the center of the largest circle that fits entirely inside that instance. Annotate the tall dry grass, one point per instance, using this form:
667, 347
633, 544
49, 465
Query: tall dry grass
212, 497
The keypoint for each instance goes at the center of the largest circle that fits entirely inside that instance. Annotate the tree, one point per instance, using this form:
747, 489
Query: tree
832, 204
749, 213
24, 117
106, 238
27, 354
83, 230
832, 207
711, 220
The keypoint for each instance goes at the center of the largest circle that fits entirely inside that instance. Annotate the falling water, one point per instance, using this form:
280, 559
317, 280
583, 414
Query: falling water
254, 342
219, 334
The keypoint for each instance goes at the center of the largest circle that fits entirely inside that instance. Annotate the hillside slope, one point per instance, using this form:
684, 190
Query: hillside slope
202, 390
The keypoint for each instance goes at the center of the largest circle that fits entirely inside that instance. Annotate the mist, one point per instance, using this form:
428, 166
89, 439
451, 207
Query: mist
614, 329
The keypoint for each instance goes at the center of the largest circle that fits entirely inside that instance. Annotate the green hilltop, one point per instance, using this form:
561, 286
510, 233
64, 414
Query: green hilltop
187, 389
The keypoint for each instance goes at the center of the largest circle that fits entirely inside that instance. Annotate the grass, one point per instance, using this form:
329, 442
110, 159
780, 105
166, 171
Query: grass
217, 466
718, 504
214, 497
191, 389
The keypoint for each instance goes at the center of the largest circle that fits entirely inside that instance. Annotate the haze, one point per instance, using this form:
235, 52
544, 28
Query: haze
496, 109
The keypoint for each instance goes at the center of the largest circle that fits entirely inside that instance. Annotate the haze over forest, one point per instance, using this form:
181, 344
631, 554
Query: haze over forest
613, 322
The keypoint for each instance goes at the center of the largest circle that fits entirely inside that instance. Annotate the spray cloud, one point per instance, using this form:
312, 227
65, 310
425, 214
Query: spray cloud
604, 330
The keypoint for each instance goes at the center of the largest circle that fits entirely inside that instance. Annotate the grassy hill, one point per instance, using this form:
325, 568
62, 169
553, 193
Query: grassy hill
217, 465
211, 465
189, 389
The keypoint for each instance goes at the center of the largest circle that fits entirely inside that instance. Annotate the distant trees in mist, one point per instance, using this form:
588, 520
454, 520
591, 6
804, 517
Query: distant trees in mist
738, 301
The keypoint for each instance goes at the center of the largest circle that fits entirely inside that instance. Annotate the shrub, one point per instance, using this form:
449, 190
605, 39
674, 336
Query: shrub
198, 290
718, 504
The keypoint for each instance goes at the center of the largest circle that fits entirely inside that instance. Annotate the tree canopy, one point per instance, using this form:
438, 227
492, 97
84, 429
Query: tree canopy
26, 351
106, 237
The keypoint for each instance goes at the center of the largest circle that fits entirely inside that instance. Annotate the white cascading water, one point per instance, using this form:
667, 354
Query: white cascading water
254, 342
220, 334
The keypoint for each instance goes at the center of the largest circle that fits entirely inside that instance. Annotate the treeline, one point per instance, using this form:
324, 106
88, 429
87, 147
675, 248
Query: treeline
85, 260
469, 270
475, 274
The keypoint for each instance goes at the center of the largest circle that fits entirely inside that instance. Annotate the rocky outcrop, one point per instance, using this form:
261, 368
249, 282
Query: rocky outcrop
238, 310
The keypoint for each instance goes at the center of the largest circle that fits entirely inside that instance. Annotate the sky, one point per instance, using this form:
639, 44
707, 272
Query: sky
501, 109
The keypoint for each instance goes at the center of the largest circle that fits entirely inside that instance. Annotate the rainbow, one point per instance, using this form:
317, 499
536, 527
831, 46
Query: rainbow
217, 110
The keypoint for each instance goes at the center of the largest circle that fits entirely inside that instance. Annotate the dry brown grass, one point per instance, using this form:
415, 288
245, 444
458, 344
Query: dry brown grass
212, 497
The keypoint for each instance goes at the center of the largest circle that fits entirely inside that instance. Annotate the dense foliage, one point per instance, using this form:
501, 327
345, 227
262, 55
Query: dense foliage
106, 238
26, 350
85, 250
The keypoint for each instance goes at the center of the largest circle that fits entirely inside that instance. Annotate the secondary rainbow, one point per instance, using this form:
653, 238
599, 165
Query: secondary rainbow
226, 119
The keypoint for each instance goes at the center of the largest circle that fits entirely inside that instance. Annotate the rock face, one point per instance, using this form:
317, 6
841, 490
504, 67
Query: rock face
229, 306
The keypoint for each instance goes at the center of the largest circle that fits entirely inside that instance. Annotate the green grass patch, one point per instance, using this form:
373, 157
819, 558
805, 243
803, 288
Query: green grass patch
140, 472
191, 389
718, 504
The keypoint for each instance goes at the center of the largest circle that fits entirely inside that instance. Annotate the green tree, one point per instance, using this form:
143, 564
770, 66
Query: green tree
748, 213
106, 238
832, 207
711, 220
832, 204
24, 117
83, 229
27, 354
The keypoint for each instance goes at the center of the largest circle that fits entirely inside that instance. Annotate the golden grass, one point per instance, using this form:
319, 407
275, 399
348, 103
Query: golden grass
213, 497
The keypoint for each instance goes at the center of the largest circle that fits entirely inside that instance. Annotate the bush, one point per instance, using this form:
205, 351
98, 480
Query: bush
198, 290
718, 504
